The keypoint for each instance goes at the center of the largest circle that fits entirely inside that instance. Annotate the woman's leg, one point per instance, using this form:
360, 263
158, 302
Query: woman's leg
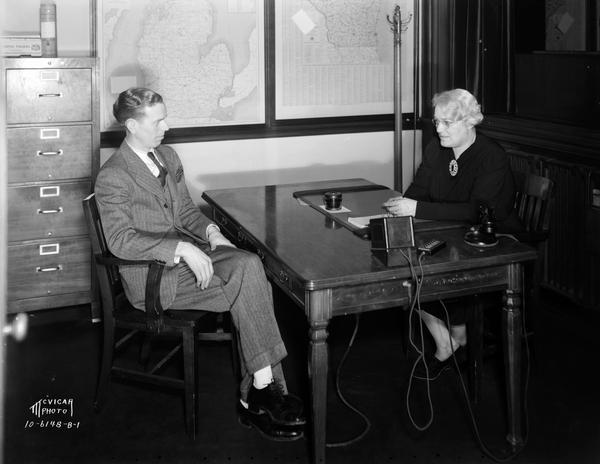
446, 342
459, 333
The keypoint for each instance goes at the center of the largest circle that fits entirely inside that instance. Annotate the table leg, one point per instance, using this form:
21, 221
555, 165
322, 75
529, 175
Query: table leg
319, 309
511, 330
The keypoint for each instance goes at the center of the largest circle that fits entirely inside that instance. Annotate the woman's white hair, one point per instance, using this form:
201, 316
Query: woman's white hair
459, 104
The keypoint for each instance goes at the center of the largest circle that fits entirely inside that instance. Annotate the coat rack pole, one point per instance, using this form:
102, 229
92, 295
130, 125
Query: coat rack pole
397, 26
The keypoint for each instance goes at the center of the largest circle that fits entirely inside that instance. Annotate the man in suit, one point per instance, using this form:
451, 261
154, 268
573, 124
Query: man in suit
147, 213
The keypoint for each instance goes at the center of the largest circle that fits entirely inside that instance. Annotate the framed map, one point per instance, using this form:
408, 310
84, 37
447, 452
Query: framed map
336, 57
205, 57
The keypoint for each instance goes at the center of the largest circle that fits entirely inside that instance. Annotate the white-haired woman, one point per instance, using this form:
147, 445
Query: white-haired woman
461, 170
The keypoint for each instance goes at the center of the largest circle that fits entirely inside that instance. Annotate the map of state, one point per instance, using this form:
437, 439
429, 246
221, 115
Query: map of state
336, 57
203, 56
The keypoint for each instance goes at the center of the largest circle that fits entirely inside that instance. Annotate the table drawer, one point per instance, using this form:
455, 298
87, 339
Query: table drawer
461, 283
279, 273
49, 153
48, 95
48, 267
227, 228
49, 210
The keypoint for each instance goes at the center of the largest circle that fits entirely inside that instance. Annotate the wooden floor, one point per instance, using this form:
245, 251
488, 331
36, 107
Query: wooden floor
58, 361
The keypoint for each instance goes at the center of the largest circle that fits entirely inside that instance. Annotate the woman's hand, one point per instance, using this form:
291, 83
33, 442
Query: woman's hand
400, 206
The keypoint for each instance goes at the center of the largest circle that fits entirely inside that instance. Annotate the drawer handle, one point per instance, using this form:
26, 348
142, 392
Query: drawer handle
50, 211
49, 269
283, 277
50, 95
50, 153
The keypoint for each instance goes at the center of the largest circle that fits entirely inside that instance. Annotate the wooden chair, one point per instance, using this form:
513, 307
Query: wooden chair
117, 313
534, 204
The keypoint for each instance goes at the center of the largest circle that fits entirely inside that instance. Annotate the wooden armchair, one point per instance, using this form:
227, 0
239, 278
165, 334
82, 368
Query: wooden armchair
117, 313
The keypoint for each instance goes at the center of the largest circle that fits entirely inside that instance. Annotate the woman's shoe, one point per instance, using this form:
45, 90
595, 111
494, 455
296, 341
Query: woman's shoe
460, 354
435, 367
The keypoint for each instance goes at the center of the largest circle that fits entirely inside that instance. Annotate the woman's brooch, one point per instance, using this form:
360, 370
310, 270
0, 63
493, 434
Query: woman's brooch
453, 168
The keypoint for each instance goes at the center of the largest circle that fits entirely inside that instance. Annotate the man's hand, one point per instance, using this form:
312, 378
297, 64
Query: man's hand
216, 238
400, 206
198, 261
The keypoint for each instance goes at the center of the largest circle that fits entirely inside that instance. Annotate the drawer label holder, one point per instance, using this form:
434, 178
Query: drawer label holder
50, 249
46, 134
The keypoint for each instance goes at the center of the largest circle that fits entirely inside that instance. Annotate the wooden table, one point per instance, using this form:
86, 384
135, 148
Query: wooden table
329, 271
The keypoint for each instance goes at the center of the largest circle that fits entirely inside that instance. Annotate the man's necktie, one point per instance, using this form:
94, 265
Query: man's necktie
162, 172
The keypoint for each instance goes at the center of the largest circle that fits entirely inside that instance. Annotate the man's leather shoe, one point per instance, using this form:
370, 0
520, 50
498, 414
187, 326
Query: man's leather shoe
267, 428
282, 409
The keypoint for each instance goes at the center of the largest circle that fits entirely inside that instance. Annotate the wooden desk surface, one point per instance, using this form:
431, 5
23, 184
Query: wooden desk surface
330, 271
321, 254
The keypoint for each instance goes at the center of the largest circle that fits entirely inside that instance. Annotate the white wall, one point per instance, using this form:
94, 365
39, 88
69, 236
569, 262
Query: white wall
243, 163
72, 23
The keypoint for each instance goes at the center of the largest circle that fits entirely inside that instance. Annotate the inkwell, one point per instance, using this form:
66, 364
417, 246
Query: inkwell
332, 200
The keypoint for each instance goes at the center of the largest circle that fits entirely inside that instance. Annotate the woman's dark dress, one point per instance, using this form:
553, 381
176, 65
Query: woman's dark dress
484, 177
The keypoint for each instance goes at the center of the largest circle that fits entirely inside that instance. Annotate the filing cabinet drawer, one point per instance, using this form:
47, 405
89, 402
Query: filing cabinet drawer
48, 210
49, 153
48, 95
48, 267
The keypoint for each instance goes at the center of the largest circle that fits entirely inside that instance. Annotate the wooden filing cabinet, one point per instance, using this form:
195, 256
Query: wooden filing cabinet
52, 138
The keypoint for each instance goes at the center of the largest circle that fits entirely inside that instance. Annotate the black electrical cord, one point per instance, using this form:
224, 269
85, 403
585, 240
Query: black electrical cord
482, 445
419, 349
367, 422
421, 358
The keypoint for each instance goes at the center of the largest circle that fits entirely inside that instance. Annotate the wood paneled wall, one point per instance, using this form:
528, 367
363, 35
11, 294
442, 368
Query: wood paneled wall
573, 250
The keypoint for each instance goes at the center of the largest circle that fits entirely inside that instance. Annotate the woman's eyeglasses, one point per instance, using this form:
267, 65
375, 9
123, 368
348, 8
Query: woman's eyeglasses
444, 123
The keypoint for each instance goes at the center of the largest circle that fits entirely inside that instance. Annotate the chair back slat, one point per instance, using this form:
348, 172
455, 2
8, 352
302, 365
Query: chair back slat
111, 288
533, 201
92, 216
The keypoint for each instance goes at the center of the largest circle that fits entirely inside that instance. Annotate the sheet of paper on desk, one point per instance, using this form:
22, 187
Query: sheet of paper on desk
363, 221
341, 209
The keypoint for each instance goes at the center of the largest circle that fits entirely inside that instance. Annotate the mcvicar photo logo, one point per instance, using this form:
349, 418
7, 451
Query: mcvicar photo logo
54, 413
52, 406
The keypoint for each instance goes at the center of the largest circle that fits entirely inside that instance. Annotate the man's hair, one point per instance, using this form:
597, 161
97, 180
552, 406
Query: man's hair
132, 102
459, 104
